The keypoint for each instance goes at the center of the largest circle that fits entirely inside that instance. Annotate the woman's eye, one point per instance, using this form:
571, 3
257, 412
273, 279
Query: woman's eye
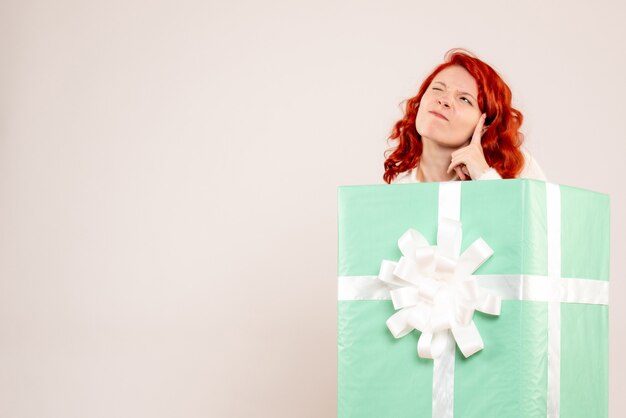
437, 88
467, 100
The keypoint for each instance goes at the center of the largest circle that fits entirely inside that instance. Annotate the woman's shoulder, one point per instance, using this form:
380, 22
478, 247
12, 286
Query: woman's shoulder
532, 169
409, 176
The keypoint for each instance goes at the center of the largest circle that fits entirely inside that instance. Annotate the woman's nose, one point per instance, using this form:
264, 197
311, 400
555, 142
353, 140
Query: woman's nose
444, 101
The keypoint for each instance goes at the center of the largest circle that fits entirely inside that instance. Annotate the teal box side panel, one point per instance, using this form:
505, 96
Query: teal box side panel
372, 218
379, 376
584, 361
494, 211
585, 234
509, 377
535, 245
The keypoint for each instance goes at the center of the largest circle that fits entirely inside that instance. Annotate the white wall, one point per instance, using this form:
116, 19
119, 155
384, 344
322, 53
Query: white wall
168, 175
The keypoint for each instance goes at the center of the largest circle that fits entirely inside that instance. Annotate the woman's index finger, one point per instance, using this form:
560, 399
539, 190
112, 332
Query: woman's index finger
478, 130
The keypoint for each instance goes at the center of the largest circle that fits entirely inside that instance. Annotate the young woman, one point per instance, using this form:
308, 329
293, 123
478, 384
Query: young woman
460, 126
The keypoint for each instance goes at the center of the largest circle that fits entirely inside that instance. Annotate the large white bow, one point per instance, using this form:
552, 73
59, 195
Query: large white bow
434, 291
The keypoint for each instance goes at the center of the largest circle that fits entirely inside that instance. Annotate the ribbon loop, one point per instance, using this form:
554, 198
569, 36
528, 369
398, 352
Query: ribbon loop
464, 314
431, 345
473, 257
398, 324
419, 317
407, 270
386, 275
410, 241
425, 257
403, 297
468, 339
444, 266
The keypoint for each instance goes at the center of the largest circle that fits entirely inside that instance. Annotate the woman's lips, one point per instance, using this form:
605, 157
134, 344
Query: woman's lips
439, 115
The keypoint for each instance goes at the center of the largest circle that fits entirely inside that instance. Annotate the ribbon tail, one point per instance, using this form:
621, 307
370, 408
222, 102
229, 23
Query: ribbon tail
443, 382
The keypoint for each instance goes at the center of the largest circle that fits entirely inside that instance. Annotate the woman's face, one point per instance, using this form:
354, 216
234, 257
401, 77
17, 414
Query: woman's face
448, 111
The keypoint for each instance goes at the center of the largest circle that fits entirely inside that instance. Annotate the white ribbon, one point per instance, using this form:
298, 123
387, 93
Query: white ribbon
528, 287
434, 291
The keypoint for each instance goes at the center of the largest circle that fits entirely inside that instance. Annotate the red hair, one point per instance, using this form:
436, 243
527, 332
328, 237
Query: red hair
500, 142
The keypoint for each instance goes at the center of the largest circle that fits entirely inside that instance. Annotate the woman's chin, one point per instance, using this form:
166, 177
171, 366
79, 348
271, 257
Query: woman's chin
445, 142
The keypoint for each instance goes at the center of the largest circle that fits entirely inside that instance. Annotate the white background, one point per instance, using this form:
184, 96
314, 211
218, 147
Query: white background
168, 180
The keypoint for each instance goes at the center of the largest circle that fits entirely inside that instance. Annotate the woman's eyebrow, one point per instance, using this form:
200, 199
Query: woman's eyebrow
462, 92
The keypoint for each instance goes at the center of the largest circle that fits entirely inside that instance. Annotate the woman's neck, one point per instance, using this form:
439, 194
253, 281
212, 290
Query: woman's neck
434, 163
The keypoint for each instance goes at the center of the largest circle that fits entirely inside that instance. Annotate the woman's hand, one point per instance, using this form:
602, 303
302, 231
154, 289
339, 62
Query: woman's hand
469, 161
